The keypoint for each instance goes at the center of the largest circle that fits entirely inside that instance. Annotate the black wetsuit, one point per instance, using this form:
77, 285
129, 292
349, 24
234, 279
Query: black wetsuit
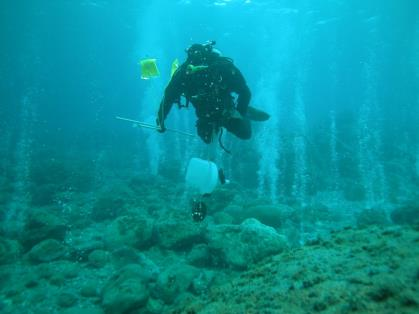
210, 90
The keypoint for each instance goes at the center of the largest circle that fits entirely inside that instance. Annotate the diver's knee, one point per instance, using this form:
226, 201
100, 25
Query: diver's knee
247, 135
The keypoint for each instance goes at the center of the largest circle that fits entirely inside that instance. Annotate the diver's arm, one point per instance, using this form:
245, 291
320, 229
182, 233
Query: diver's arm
171, 94
239, 86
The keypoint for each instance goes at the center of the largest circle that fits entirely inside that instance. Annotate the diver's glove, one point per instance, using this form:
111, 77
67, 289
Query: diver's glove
160, 125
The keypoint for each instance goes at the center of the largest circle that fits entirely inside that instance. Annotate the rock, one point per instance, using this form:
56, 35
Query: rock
408, 214
98, 258
409, 298
199, 256
126, 291
115, 200
40, 225
10, 250
202, 283
83, 310
126, 256
385, 287
66, 299
134, 231
173, 281
89, 289
84, 241
58, 272
242, 245
154, 307
179, 234
67, 269
223, 218
108, 206
47, 251
372, 217
270, 215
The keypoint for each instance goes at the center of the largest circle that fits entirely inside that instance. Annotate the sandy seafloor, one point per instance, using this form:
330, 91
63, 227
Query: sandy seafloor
137, 250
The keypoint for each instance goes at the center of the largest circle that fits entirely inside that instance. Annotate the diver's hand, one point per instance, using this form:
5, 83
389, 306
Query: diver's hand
160, 125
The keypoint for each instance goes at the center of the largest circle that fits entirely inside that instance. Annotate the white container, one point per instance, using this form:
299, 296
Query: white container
202, 175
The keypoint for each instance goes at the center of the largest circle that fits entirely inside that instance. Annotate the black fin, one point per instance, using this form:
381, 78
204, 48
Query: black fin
256, 114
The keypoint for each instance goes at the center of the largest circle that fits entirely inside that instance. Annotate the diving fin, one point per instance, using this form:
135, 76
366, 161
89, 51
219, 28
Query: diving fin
256, 114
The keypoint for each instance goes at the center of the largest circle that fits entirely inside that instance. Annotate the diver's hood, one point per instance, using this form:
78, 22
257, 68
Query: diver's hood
202, 54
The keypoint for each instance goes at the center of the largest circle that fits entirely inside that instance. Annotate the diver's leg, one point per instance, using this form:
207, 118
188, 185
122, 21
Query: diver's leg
239, 127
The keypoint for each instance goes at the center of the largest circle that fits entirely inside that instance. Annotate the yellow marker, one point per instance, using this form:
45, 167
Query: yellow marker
149, 69
175, 66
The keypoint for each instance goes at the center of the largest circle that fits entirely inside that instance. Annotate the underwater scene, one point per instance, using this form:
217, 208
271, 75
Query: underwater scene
209, 156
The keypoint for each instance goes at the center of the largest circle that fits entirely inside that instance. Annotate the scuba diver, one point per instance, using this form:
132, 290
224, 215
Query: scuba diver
219, 93
216, 89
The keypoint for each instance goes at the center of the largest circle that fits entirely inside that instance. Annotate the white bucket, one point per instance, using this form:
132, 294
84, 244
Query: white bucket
202, 175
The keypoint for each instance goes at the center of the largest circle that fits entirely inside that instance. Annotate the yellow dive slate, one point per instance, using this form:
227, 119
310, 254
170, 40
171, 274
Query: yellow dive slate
175, 65
149, 69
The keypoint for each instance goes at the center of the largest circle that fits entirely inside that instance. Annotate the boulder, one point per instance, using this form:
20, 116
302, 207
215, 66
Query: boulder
98, 258
57, 272
133, 231
239, 246
173, 281
199, 256
84, 241
179, 234
42, 224
126, 291
47, 251
202, 283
